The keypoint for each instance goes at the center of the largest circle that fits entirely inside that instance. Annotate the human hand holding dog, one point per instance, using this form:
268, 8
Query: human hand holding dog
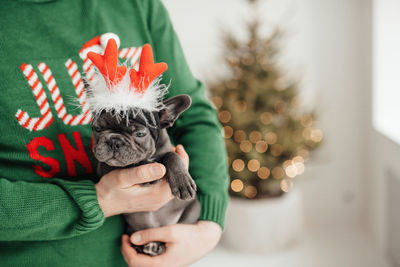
119, 191
185, 243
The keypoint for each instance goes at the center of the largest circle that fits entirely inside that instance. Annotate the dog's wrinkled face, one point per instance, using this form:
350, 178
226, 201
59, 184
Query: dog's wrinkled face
120, 144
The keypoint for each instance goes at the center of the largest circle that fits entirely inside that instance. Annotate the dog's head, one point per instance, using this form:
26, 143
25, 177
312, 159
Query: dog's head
121, 143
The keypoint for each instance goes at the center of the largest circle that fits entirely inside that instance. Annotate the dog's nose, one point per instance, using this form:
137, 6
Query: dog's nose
115, 142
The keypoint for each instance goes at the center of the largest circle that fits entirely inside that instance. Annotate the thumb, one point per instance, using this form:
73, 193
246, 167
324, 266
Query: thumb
141, 174
164, 234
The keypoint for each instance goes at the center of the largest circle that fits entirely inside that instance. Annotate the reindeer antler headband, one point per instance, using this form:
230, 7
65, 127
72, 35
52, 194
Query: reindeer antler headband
115, 88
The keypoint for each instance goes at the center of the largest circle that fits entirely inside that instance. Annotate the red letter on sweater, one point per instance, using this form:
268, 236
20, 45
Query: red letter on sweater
33, 146
71, 154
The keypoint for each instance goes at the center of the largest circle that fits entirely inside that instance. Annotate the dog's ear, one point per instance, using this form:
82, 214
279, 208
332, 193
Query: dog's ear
172, 108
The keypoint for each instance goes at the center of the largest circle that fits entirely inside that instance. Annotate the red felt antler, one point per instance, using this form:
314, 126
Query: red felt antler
108, 63
148, 71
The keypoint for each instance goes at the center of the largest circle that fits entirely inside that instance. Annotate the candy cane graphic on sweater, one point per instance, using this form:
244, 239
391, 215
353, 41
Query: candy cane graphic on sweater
59, 106
38, 123
88, 68
131, 54
73, 72
91, 45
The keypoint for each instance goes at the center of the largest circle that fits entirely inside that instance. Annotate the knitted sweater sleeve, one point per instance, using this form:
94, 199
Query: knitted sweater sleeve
47, 211
197, 129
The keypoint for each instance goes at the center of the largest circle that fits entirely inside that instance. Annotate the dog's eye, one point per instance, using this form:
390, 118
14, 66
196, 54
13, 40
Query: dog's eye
140, 134
97, 128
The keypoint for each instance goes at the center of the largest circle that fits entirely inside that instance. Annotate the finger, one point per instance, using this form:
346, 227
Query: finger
165, 234
141, 174
127, 251
173, 149
182, 153
162, 189
145, 260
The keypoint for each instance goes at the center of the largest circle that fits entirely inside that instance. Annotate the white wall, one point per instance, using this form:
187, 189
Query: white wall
327, 47
386, 43
383, 130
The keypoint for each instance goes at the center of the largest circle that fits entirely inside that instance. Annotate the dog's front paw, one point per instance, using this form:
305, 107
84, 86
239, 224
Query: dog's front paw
151, 248
183, 187
154, 248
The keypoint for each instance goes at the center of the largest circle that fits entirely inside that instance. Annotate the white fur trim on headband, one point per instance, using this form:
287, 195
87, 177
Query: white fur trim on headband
122, 99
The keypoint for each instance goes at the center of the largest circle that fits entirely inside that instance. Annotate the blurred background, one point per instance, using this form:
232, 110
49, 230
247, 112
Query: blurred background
307, 92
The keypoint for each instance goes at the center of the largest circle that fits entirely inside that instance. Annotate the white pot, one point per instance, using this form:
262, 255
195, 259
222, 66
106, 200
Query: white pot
264, 225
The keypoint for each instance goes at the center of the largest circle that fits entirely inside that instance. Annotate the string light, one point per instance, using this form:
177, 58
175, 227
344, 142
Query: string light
263, 173
303, 152
250, 191
237, 185
286, 163
294, 167
278, 173
266, 117
246, 146
280, 84
300, 168
217, 101
238, 165
261, 146
316, 135
227, 131
271, 138
255, 136
306, 121
298, 159
280, 106
295, 102
253, 165
240, 106
224, 116
239, 136
286, 185
276, 150
291, 171
307, 133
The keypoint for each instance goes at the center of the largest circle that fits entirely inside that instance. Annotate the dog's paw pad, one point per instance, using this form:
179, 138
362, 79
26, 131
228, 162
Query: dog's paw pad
185, 190
154, 248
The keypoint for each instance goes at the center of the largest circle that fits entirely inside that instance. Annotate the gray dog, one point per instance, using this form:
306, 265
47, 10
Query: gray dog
133, 142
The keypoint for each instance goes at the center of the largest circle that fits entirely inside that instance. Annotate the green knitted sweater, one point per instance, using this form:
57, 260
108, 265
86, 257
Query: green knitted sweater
49, 214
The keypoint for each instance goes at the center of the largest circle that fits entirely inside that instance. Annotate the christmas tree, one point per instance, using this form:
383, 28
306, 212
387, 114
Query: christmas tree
268, 135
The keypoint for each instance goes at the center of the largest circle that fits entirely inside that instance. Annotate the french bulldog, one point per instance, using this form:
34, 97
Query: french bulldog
135, 141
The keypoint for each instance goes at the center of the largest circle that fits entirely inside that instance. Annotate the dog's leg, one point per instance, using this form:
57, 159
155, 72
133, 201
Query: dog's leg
179, 179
